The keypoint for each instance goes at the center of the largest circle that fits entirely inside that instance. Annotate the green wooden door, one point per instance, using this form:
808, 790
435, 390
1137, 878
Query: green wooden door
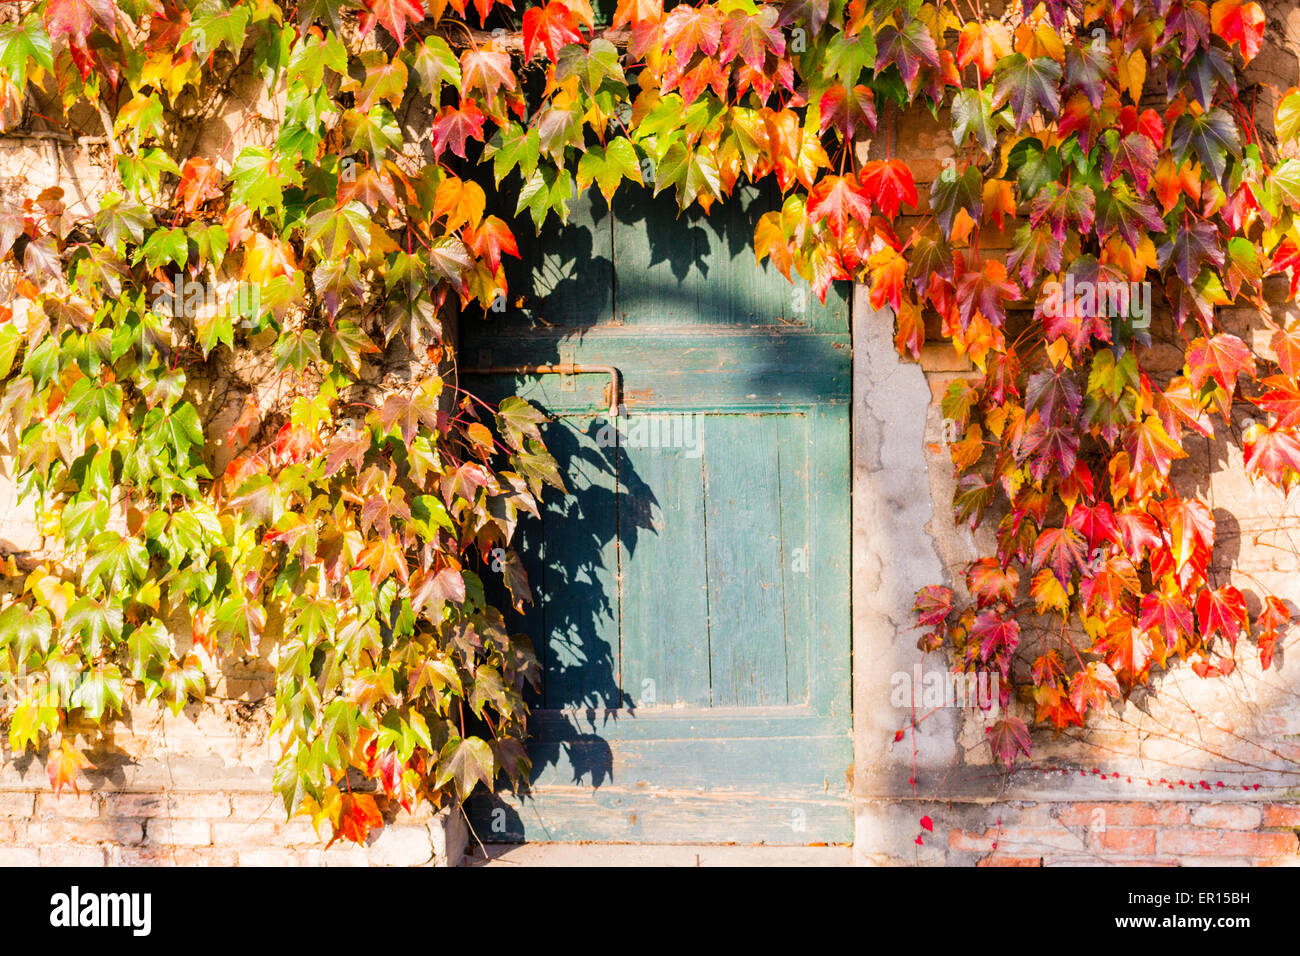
692, 612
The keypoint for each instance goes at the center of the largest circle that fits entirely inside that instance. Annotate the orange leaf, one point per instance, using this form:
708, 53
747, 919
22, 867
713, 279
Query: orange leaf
62, 767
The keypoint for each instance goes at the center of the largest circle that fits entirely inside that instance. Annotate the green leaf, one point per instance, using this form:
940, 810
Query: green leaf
99, 690
513, 147
608, 166
1029, 85
21, 43
297, 350
468, 762
1212, 136
435, 64
972, 114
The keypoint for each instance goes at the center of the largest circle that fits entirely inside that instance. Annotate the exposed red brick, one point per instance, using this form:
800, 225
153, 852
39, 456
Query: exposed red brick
1227, 816
1125, 841
1124, 814
1282, 816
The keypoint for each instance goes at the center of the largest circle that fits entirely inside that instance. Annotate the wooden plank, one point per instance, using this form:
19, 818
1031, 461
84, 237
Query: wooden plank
792, 436
831, 523
665, 637
743, 539
580, 600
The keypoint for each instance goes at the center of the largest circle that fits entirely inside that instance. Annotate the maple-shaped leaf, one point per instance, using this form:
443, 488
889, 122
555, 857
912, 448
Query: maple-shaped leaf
467, 763
1096, 523
982, 44
1128, 649
1061, 549
76, 19
1062, 208
688, 29
1188, 247
1006, 736
1119, 209
1149, 446
750, 37
1167, 615
490, 240
394, 15
552, 27
1138, 532
840, 200
989, 582
1092, 687
1211, 136
907, 47
454, 126
998, 637
973, 115
889, 184
200, 181
933, 605
1035, 250
62, 765
1190, 524
1028, 85
1274, 452
1088, 67
487, 70
1222, 357
1221, 611
985, 289
848, 110
360, 814
952, 192
1240, 23
1054, 392
408, 412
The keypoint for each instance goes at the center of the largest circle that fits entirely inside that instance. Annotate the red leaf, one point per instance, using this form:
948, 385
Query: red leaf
1241, 23
393, 14
1062, 550
889, 184
1167, 615
1096, 524
553, 26
1274, 452
1092, 687
78, 18
1222, 357
988, 582
490, 240
837, 200
1221, 611
933, 605
1007, 736
927, 824
454, 126
359, 815
998, 637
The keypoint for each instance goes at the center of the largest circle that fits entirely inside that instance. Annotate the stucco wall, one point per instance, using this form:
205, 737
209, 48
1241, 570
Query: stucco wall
1198, 770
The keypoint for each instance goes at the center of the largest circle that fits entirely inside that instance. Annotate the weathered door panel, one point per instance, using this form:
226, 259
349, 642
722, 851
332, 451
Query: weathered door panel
692, 611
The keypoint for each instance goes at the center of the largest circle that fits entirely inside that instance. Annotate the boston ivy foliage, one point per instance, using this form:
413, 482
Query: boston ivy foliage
1107, 142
